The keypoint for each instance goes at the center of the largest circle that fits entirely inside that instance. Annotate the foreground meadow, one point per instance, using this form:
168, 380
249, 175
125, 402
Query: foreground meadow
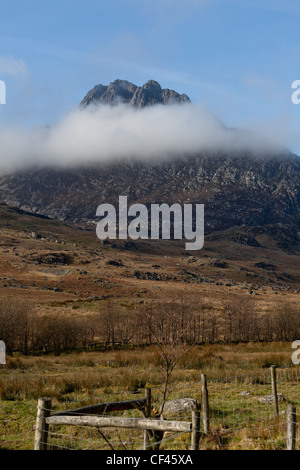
77, 379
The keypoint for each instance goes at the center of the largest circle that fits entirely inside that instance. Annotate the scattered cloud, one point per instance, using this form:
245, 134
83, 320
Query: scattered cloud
9, 66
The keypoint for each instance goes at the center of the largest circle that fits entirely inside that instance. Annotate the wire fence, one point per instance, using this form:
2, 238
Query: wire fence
241, 409
241, 415
87, 438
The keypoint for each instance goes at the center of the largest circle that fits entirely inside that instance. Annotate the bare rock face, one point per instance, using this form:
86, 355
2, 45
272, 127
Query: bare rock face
122, 91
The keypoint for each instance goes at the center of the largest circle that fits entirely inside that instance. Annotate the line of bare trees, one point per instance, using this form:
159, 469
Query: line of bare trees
180, 321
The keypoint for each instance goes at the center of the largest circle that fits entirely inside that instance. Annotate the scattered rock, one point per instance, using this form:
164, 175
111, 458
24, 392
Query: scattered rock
57, 289
269, 399
181, 405
219, 264
268, 267
113, 262
52, 258
245, 240
35, 235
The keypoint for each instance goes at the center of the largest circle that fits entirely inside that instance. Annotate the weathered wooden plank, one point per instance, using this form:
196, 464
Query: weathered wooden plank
105, 408
115, 422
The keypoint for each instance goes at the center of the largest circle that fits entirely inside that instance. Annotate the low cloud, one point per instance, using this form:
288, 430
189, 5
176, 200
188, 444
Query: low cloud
108, 133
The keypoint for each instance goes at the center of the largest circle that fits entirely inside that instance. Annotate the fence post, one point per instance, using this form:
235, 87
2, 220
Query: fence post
147, 414
195, 439
41, 427
274, 391
291, 428
205, 405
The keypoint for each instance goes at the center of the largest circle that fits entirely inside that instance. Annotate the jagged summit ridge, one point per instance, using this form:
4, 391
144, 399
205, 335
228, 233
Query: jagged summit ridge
122, 91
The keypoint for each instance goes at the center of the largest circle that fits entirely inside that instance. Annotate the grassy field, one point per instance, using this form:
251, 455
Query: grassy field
76, 379
64, 273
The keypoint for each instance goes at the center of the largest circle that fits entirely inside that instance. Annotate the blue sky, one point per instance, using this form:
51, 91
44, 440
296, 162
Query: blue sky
237, 57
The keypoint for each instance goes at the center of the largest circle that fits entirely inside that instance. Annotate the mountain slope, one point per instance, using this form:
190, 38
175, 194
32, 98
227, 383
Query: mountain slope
237, 188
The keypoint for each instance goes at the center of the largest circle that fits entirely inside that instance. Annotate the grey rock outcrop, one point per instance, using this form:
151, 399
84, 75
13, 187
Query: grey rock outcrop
122, 91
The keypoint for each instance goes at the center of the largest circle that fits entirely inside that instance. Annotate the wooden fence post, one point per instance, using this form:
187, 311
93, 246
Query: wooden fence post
291, 428
41, 427
147, 414
274, 391
205, 405
195, 439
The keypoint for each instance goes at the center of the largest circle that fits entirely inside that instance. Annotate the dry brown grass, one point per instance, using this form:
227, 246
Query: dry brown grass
87, 373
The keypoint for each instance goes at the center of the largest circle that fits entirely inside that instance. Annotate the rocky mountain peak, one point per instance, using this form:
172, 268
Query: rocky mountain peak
239, 189
122, 91
153, 87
